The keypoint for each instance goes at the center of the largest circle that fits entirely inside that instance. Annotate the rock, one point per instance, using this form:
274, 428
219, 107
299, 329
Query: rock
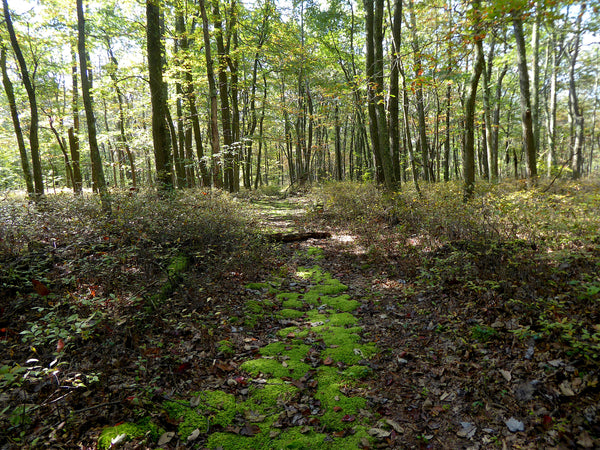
515, 425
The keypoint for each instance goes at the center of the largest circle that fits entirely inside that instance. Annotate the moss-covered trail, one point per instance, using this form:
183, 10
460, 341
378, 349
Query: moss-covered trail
302, 389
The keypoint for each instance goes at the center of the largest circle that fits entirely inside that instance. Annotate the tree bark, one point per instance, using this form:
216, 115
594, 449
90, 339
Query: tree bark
575, 113
469, 148
97, 170
212, 87
34, 143
526, 114
73, 132
160, 133
14, 114
394, 101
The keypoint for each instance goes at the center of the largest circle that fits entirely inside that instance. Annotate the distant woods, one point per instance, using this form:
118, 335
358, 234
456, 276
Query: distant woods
217, 93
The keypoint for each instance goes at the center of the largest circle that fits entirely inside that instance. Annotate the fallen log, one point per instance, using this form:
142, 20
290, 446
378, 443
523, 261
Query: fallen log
301, 236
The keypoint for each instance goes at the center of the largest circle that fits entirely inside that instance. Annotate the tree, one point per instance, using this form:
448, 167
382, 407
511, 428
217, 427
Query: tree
34, 143
525, 95
14, 113
478, 67
162, 159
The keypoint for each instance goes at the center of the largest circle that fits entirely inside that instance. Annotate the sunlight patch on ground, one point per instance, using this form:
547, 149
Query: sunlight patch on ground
344, 238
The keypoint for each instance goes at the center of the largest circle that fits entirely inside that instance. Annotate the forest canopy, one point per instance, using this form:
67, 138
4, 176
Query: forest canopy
237, 95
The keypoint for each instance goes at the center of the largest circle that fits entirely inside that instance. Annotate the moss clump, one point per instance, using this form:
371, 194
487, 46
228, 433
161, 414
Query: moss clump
338, 320
287, 313
258, 306
292, 304
132, 430
295, 369
336, 404
257, 286
287, 296
226, 347
293, 438
314, 273
330, 287
232, 441
299, 333
340, 303
315, 253
178, 265
312, 297
357, 372
266, 399
216, 408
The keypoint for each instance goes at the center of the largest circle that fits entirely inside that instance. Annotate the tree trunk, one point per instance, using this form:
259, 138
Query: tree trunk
160, 136
469, 148
212, 87
394, 101
73, 132
34, 143
14, 113
420, 99
97, 170
526, 115
576, 116
224, 97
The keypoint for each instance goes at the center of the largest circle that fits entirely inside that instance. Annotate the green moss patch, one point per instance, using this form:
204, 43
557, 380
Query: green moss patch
315, 253
335, 404
213, 408
132, 430
340, 303
287, 313
292, 368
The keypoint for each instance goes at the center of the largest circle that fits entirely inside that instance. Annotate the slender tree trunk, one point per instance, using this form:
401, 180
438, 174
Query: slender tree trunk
575, 110
535, 88
73, 132
14, 113
224, 97
34, 144
469, 149
212, 87
408, 138
97, 170
495, 125
160, 136
394, 101
63, 148
526, 114
492, 161
420, 98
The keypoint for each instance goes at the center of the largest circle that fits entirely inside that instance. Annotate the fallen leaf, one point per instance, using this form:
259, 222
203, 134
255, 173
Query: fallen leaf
328, 361
379, 433
468, 430
193, 435
506, 374
249, 430
565, 389
40, 288
337, 408
395, 425
253, 416
585, 440
348, 418
166, 438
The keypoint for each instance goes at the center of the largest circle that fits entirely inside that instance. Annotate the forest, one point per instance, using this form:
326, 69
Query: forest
277, 225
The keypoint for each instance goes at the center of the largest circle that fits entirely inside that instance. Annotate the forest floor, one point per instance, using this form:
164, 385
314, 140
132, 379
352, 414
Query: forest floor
205, 321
